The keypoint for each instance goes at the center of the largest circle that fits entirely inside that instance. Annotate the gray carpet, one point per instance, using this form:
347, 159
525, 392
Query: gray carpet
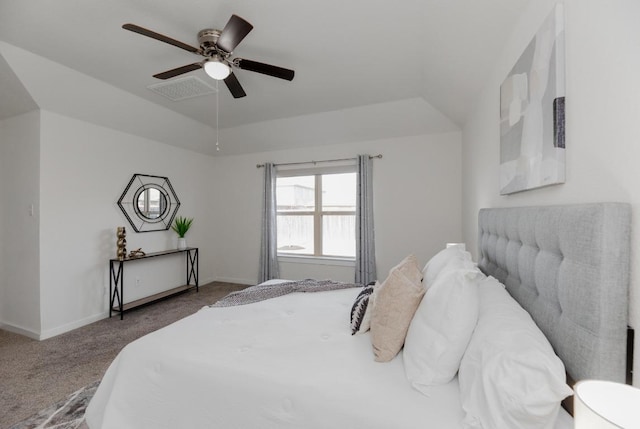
35, 375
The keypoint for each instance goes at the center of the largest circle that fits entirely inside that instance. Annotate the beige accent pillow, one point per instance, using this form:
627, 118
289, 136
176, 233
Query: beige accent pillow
396, 301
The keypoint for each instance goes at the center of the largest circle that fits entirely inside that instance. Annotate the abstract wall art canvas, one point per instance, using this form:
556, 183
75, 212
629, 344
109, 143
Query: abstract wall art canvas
532, 119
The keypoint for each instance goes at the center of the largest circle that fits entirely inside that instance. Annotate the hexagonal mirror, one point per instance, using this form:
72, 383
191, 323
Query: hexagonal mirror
149, 203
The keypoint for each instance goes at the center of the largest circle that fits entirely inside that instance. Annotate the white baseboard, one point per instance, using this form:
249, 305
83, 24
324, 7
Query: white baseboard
235, 280
49, 333
19, 330
73, 325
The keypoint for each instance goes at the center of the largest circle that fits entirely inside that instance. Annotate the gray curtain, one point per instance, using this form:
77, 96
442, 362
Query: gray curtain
268, 250
365, 242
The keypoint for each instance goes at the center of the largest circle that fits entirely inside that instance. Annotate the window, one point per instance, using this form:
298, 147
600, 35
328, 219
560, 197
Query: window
317, 213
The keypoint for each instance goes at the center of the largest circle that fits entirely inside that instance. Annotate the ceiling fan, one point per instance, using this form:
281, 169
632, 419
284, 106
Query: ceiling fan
217, 47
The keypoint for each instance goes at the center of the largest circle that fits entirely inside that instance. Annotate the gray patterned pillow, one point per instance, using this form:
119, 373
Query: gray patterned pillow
361, 310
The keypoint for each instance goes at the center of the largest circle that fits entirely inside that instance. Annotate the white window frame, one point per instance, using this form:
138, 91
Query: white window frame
317, 213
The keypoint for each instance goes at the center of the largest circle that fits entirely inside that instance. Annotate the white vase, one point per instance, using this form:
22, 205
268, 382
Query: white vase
182, 243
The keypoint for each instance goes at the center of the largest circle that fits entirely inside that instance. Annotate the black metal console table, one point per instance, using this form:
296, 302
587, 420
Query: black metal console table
116, 280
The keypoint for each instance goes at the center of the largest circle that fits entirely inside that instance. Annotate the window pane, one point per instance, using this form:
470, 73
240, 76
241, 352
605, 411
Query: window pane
296, 193
339, 235
295, 234
339, 192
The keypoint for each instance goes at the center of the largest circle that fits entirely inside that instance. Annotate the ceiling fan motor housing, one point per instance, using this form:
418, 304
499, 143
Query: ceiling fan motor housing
208, 38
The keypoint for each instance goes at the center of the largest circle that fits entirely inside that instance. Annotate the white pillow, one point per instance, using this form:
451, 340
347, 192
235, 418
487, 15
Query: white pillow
509, 376
453, 257
441, 329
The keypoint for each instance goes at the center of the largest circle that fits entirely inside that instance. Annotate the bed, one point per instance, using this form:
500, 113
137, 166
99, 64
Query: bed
292, 361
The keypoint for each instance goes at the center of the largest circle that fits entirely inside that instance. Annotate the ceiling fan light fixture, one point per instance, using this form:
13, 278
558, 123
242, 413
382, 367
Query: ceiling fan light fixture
216, 68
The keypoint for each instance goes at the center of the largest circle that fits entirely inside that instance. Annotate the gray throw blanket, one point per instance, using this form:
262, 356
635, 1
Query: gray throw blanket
262, 292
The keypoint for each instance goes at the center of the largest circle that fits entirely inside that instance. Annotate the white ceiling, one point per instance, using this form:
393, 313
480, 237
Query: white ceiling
346, 53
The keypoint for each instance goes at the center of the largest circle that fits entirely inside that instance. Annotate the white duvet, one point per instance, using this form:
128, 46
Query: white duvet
288, 362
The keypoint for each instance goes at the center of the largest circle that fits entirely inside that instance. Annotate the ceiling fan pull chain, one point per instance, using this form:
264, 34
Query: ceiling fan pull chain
217, 119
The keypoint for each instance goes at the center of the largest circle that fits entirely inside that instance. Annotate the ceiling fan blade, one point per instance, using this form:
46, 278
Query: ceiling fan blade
263, 68
233, 33
160, 37
178, 71
234, 86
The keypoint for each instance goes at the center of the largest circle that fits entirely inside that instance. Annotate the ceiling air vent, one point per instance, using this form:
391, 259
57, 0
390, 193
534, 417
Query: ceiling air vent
182, 88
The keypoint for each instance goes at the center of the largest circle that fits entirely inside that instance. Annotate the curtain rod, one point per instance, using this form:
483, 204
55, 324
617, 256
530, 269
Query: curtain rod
316, 162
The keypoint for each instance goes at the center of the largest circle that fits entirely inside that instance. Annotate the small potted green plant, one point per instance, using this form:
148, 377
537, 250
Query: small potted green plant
181, 225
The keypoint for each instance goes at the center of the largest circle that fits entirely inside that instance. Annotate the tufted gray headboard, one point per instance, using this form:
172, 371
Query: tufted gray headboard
568, 266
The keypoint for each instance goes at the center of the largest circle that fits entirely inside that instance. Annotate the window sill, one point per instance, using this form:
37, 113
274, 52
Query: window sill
317, 260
